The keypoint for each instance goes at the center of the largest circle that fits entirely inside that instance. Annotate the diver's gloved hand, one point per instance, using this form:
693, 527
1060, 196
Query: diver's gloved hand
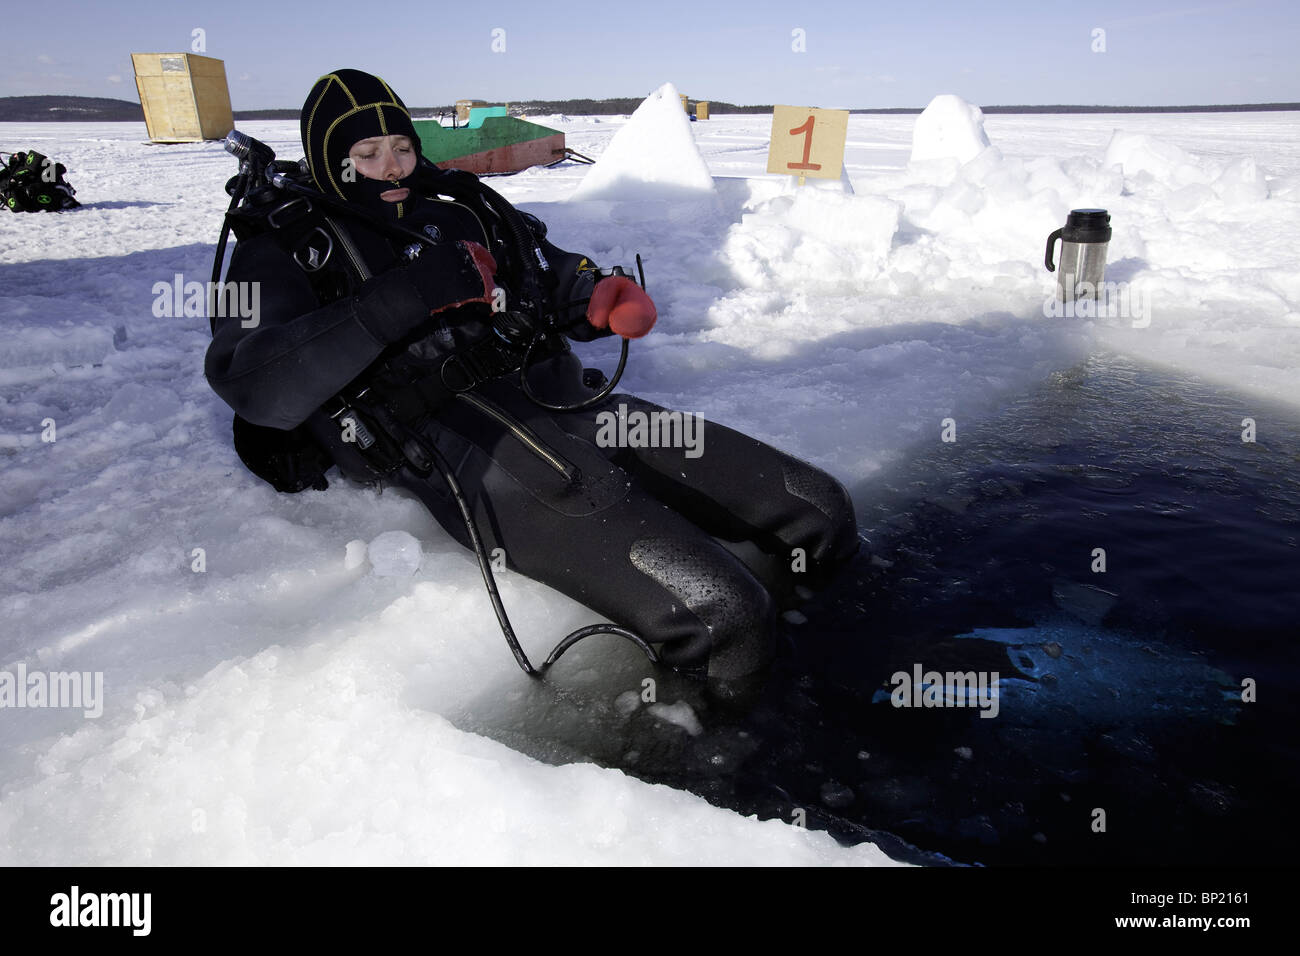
620, 305
441, 277
448, 275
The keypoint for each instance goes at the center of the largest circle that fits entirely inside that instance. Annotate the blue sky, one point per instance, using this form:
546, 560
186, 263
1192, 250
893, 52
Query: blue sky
856, 54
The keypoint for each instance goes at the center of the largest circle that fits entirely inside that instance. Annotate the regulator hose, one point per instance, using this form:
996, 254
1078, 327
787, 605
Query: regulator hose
485, 568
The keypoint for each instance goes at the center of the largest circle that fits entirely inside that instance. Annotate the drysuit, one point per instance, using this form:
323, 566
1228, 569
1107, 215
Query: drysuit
685, 546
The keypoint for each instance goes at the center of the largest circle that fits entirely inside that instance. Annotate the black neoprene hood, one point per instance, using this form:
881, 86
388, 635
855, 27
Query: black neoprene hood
343, 107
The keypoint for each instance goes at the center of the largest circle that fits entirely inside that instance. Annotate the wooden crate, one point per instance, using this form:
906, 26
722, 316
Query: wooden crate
464, 106
184, 96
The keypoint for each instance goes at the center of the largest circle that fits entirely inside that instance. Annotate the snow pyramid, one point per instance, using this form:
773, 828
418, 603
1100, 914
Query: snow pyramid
949, 128
653, 157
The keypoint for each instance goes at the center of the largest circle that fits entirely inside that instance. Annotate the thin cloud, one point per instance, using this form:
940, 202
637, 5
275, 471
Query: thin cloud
842, 74
1164, 15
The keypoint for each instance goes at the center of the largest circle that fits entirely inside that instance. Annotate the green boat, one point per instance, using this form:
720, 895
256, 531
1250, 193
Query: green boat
491, 142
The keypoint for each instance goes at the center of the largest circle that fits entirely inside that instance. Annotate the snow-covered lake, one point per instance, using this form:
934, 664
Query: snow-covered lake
287, 705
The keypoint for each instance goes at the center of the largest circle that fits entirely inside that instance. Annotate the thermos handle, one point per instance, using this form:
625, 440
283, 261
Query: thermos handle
1051, 243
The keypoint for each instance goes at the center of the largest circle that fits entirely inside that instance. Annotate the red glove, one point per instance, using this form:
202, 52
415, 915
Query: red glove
620, 305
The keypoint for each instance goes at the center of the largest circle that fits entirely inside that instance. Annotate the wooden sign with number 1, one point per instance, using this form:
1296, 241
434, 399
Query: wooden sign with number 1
807, 142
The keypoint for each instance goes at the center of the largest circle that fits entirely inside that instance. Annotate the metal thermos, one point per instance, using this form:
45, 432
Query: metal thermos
1083, 253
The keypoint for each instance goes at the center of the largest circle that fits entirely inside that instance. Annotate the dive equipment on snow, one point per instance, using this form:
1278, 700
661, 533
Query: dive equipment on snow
32, 182
1083, 254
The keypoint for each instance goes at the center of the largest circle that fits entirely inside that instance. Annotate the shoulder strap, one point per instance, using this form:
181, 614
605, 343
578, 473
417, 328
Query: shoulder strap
316, 242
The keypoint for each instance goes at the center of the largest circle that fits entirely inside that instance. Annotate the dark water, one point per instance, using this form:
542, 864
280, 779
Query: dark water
1119, 691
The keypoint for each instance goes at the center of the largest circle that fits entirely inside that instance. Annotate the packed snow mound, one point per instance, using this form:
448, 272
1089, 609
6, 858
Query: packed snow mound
997, 206
1185, 182
812, 237
653, 157
1241, 182
1137, 153
949, 128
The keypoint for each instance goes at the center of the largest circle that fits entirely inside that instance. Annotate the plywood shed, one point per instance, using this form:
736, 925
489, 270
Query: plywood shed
184, 96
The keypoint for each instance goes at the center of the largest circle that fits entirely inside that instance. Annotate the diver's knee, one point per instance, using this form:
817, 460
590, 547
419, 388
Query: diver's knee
837, 530
728, 617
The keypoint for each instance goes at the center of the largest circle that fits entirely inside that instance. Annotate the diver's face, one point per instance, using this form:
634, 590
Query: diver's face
385, 158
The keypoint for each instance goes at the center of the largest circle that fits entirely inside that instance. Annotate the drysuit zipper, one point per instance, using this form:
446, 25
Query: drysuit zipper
346, 241
526, 435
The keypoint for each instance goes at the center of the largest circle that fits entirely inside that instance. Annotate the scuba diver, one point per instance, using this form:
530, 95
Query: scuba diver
411, 331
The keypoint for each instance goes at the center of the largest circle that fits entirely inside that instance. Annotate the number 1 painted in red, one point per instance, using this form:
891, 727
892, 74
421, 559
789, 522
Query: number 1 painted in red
807, 130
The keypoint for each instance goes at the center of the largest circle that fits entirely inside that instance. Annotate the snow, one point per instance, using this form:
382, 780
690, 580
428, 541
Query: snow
394, 554
269, 699
949, 128
652, 157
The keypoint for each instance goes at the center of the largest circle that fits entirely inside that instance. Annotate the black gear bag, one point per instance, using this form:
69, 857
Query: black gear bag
31, 182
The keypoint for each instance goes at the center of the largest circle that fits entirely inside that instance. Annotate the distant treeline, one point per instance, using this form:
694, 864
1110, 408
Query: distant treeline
81, 109
28, 109
618, 106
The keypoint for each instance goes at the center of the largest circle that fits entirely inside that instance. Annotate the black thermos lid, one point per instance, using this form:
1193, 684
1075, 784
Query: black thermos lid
1087, 225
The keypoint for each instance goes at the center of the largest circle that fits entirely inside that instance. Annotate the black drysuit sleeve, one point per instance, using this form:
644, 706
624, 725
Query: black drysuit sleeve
296, 354
573, 278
